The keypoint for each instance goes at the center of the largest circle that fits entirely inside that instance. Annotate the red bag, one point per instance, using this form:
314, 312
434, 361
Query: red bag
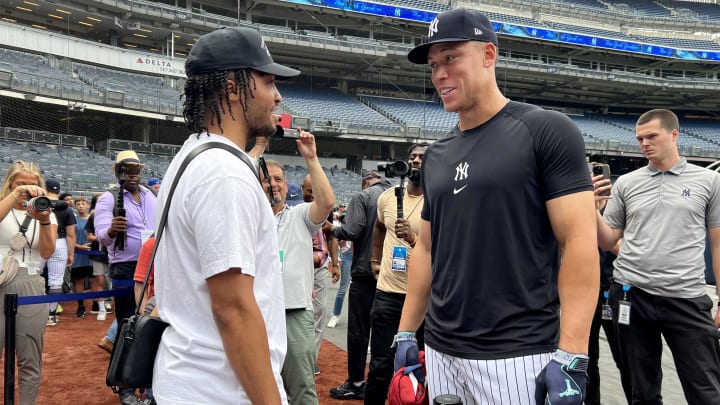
405, 388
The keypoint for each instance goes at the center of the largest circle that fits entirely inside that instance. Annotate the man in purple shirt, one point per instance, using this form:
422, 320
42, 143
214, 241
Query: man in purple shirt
135, 227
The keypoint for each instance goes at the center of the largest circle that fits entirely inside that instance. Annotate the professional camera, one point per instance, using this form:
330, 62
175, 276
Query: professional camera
42, 203
398, 168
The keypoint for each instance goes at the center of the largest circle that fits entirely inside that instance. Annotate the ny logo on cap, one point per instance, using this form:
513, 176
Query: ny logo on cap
433, 29
262, 45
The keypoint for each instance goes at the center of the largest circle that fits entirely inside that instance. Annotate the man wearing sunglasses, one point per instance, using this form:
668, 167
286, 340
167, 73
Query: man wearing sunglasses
123, 233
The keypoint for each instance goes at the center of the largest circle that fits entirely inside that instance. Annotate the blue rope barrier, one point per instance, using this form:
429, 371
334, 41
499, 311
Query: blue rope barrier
120, 287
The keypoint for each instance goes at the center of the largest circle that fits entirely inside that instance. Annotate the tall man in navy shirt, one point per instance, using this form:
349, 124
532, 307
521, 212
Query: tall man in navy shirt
508, 198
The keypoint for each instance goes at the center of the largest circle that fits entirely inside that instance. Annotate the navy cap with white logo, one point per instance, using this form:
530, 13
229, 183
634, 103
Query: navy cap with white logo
231, 48
456, 25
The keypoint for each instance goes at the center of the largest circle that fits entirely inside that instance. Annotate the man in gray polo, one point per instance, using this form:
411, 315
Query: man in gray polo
663, 213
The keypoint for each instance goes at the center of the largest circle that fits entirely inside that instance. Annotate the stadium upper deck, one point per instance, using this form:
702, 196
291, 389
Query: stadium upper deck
345, 50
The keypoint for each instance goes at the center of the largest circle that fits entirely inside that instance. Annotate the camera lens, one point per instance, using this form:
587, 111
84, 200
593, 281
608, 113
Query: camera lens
40, 203
401, 167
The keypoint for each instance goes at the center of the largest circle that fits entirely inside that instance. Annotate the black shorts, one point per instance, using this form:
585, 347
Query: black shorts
81, 272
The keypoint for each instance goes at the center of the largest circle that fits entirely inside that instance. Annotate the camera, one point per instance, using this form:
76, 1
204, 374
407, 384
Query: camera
42, 203
398, 168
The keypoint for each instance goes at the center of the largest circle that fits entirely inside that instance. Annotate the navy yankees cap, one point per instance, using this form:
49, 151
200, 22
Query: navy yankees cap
456, 25
231, 48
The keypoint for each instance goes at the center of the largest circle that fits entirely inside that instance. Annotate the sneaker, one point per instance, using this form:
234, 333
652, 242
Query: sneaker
80, 313
106, 345
317, 370
101, 315
348, 390
51, 321
94, 309
333, 321
129, 398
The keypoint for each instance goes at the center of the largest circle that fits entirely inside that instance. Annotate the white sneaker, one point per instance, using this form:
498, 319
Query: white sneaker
52, 320
101, 315
333, 321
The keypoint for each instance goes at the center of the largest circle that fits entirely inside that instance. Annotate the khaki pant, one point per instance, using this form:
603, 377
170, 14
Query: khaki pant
29, 333
297, 372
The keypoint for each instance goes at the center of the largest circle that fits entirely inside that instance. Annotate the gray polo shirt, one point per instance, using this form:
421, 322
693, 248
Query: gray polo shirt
664, 217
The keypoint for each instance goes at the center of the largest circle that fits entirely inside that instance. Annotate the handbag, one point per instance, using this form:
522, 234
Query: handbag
10, 265
9, 269
138, 337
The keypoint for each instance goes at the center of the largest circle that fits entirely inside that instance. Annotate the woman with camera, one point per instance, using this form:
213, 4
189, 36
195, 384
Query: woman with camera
27, 236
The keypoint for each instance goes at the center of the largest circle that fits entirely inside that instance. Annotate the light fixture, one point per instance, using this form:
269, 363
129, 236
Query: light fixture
131, 45
59, 10
85, 23
8, 19
144, 30
31, 3
24, 9
180, 54
94, 19
55, 16
190, 44
155, 49
39, 26
140, 35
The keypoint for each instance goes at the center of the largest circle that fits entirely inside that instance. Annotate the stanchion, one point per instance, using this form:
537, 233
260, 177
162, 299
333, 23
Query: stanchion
10, 312
12, 301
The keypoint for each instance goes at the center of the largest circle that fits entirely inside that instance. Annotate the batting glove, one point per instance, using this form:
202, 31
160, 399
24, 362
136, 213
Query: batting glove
406, 355
563, 380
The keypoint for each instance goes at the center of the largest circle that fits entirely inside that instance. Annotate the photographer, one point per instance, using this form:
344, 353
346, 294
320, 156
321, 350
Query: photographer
123, 235
22, 181
358, 228
390, 254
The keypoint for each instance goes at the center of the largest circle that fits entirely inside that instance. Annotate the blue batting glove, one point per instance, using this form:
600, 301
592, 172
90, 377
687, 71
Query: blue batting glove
563, 380
406, 355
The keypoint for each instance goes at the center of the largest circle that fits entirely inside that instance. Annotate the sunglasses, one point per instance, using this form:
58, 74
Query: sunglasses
132, 169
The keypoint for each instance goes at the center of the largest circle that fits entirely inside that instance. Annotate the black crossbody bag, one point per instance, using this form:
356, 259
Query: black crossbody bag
138, 337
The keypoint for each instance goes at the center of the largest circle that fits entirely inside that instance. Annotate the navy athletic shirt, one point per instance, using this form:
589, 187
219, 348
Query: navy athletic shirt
495, 257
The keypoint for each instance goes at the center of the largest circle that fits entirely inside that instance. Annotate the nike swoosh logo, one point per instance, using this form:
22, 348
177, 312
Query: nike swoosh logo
457, 190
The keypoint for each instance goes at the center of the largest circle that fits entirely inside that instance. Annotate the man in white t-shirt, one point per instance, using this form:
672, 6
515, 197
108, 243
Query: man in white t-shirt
296, 227
218, 279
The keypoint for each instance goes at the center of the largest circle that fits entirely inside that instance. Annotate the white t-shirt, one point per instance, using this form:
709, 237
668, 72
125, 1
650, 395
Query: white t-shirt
29, 257
219, 219
296, 230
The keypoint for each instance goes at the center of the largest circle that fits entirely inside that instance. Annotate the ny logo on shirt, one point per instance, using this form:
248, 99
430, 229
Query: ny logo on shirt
686, 192
461, 171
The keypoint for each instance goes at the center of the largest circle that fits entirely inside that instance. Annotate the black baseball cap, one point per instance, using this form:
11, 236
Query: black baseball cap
456, 25
52, 186
231, 48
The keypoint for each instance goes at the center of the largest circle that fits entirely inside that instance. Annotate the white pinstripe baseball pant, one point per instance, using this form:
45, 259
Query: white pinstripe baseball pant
508, 381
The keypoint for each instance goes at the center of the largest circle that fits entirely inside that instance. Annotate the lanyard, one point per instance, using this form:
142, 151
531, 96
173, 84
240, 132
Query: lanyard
23, 230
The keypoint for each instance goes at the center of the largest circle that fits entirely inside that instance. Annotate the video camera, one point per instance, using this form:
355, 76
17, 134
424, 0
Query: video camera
42, 203
398, 168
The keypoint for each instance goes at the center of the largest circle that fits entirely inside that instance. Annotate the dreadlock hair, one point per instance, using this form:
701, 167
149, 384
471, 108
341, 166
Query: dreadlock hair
207, 93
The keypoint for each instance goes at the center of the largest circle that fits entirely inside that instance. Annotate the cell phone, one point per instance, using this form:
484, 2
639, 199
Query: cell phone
603, 169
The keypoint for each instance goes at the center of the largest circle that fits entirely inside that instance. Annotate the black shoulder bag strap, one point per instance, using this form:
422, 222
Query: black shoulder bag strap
163, 219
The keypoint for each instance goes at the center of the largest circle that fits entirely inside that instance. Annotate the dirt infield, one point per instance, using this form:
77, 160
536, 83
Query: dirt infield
74, 366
